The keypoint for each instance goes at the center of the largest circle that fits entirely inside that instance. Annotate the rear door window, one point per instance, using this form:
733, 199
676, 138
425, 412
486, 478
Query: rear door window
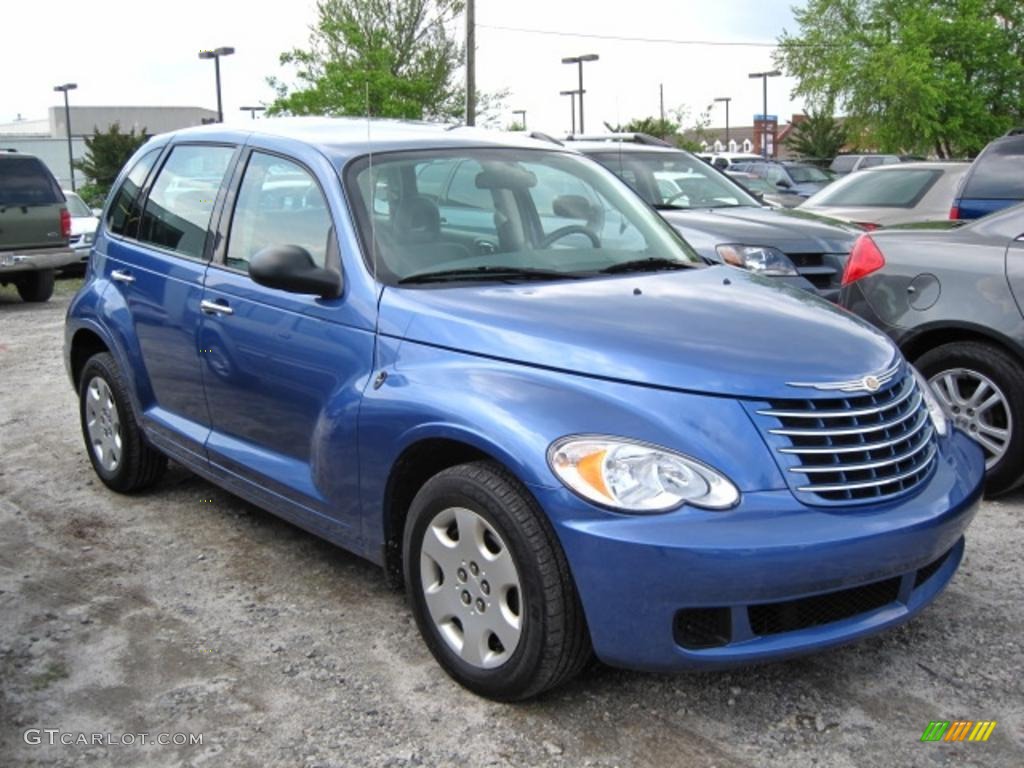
125, 209
26, 181
178, 210
998, 174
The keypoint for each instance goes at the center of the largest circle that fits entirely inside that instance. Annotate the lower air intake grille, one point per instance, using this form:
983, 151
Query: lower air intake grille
773, 618
703, 628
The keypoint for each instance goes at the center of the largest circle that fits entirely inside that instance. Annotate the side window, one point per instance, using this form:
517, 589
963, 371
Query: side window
463, 190
123, 214
279, 203
871, 162
177, 213
430, 178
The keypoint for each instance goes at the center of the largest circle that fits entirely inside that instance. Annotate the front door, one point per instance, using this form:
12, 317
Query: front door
283, 373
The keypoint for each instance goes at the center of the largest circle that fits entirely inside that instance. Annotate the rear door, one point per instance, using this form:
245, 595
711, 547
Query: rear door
30, 204
158, 267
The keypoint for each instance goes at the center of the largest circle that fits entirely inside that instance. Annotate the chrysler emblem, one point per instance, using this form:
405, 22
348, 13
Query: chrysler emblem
871, 383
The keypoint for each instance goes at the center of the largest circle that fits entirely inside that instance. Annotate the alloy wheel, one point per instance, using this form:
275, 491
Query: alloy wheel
103, 424
978, 407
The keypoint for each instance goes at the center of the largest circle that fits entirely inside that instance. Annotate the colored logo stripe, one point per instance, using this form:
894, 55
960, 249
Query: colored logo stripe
958, 730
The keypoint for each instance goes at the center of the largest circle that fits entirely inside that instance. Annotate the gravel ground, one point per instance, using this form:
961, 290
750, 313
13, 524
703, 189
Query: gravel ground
188, 610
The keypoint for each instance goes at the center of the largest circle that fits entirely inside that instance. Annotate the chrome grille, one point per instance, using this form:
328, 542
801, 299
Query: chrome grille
853, 448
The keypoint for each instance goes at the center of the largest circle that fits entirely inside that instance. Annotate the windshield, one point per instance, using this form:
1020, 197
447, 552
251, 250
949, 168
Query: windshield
76, 206
805, 173
675, 180
505, 214
902, 188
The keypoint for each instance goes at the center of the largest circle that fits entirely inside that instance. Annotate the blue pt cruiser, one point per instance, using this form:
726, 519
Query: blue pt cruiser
484, 363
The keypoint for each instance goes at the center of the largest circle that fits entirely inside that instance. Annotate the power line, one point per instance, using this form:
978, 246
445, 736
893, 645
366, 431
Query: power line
628, 39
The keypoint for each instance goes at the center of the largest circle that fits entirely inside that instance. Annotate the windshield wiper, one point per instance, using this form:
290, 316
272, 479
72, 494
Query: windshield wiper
646, 265
487, 273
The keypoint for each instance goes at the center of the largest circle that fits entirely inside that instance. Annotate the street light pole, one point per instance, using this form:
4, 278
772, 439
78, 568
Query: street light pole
67, 127
470, 63
572, 107
252, 110
521, 113
215, 54
726, 99
764, 114
578, 60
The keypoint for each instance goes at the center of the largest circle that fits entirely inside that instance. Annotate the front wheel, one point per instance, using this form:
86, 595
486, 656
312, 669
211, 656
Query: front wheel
982, 389
489, 585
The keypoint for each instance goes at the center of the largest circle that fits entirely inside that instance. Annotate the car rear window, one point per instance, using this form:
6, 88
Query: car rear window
26, 181
844, 164
903, 188
998, 174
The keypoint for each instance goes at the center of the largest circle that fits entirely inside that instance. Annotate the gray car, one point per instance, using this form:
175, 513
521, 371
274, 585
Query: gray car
952, 300
723, 221
907, 193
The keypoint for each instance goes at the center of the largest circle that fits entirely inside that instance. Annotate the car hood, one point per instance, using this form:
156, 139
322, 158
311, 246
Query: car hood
791, 231
715, 330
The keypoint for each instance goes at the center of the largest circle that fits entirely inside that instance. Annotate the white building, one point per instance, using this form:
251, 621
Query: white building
47, 138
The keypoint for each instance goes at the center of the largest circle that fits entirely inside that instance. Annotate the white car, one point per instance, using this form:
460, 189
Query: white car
83, 225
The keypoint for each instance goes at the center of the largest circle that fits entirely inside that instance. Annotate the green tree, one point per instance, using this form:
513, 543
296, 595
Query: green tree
942, 76
106, 152
395, 58
818, 138
653, 126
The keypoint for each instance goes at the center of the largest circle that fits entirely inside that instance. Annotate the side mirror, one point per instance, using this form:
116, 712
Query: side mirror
783, 184
291, 268
97, 212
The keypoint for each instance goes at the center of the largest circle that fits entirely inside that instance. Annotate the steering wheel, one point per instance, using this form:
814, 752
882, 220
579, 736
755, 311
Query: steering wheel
676, 196
572, 229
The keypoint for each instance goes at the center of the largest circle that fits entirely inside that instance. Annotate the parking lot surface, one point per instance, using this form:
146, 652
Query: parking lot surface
187, 610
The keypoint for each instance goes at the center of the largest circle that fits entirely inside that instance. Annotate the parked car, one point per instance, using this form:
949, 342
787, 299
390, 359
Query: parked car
723, 161
952, 300
844, 164
798, 179
994, 181
763, 191
34, 226
560, 436
890, 194
83, 225
722, 221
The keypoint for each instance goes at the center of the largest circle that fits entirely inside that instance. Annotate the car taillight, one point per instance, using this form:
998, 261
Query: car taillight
954, 213
65, 223
865, 258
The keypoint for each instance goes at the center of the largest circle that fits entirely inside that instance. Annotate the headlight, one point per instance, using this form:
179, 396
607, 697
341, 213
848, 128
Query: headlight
935, 409
637, 477
762, 260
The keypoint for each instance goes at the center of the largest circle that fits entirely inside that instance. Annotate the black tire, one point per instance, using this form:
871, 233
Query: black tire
140, 465
554, 644
36, 286
1008, 376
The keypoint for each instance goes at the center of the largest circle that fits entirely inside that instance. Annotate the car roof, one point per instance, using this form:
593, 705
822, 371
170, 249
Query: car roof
588, 146
342, 138
941, 165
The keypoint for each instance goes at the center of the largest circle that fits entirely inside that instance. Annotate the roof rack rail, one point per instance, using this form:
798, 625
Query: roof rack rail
635, 138
544, 137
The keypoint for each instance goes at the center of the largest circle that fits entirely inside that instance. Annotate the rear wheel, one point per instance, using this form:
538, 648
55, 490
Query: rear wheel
982, 388
489, 585
118, 450
36, 286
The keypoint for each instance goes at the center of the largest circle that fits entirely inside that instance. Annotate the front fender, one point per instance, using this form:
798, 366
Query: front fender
514, 412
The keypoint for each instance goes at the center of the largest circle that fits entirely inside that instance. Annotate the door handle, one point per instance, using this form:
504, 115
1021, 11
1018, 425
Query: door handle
215, 308
121, 276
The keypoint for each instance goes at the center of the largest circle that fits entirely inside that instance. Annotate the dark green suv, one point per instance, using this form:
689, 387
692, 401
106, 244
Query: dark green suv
34, 226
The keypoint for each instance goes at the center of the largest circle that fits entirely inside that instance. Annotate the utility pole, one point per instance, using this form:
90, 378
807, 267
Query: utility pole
470, 62
67, 126
661, 95
764, 115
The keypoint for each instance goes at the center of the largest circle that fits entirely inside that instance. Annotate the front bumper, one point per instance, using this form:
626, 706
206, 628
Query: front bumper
34, 260
747, 573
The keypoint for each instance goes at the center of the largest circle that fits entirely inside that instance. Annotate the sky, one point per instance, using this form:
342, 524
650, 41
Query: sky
121, 53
